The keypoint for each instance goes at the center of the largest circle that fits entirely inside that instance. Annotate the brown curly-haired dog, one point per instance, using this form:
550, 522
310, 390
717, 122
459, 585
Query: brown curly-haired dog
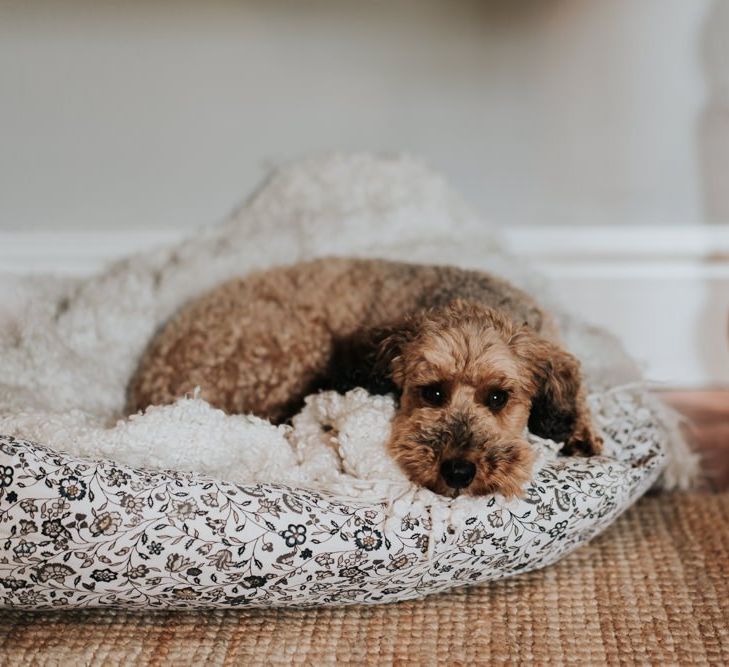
468, 356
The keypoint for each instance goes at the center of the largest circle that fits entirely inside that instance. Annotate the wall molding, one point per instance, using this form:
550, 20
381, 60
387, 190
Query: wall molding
663, 290
641, 252
685, 242
79, 253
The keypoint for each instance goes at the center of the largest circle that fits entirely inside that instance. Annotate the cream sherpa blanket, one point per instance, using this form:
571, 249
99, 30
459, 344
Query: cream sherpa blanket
68, 347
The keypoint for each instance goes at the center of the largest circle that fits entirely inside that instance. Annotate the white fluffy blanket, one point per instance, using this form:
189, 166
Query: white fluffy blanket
68, 347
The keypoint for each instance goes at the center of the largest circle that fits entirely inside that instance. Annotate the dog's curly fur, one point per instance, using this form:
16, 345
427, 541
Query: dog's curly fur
472, 360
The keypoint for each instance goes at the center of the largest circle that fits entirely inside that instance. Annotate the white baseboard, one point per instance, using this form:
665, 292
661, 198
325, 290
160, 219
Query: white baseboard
663, 290
77, 253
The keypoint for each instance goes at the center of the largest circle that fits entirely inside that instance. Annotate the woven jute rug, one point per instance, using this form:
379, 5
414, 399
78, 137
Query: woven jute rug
653, 589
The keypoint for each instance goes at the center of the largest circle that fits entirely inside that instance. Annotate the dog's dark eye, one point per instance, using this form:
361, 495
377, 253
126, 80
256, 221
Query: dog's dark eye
433, 394
496, 399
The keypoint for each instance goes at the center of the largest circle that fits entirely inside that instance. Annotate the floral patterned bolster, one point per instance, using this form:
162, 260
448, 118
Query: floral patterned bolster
76, 533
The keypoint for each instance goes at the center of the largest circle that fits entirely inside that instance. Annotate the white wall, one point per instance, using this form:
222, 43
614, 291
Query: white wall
163, 115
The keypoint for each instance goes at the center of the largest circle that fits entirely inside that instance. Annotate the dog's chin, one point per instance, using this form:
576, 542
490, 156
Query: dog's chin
437, 485
505, 469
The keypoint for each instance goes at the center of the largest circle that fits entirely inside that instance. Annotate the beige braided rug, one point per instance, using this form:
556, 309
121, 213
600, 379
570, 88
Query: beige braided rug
653, 589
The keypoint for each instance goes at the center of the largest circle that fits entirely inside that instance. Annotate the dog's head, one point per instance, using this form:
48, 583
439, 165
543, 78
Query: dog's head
469, 380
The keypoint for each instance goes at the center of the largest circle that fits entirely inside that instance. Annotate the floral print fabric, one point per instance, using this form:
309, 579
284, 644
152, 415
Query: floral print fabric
80, 533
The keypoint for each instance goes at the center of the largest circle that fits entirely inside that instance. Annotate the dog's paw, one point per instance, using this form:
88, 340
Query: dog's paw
584, 441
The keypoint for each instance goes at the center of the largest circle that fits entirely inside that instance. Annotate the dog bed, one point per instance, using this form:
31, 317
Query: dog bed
185, 506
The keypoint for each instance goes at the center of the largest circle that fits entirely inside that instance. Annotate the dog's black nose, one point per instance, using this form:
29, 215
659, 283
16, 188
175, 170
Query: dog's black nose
457, 473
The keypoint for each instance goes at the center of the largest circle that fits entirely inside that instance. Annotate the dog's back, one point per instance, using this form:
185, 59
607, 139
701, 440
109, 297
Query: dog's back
261, 343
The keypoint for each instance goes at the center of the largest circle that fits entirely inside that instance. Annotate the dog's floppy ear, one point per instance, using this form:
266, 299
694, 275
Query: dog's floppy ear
559, 410
390, 342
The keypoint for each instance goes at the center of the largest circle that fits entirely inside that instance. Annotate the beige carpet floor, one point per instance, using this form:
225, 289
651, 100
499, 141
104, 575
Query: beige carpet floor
653, 589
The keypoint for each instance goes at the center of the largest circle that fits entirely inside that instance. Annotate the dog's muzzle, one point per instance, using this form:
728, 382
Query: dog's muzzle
457, 473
